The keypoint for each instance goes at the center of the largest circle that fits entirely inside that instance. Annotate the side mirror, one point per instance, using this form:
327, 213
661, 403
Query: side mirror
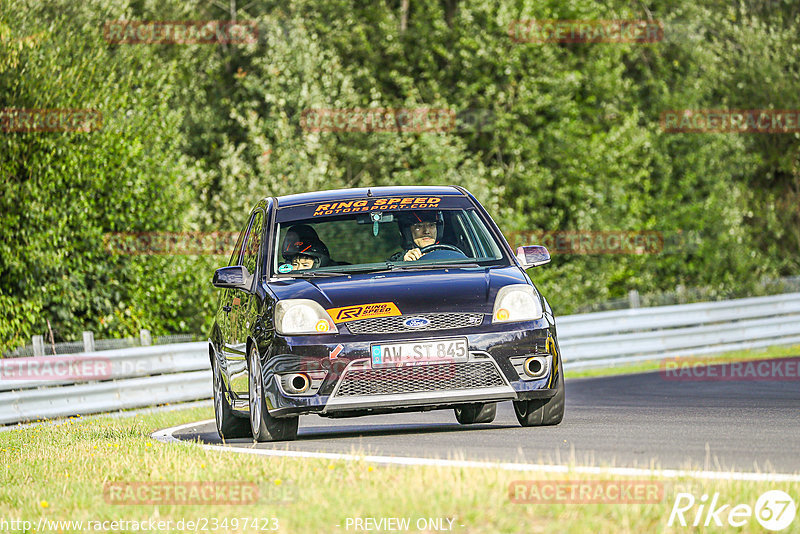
236, 277
532, 256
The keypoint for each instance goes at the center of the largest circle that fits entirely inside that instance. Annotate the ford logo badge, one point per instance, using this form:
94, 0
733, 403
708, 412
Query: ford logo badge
416, 322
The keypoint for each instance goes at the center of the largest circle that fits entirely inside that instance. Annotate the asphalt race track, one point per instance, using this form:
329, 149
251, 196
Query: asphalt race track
639, 420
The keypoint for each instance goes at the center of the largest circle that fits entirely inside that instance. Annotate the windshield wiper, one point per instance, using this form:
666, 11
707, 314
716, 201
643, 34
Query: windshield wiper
314, 274
344, 271
388, 266
415, 266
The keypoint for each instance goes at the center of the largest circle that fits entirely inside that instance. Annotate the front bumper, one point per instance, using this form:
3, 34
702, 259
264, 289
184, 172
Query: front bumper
348, 385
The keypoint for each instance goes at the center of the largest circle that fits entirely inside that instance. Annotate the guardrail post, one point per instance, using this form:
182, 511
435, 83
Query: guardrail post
88, 341
38, 345
680, 289
633, 298
144, 335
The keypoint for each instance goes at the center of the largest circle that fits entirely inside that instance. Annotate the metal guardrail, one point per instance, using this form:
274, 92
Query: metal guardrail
686, 295
47, 403
41, 347
107, 365
161, 374
131, 378
640, 334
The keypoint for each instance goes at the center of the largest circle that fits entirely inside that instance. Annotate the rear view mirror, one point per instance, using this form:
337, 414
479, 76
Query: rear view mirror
375, 216
236, 277
532, 256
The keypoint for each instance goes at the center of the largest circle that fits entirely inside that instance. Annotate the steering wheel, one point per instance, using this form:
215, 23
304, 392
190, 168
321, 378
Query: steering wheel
440, 246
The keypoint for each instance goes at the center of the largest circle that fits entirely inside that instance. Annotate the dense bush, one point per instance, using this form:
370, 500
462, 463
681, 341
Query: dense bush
195, 134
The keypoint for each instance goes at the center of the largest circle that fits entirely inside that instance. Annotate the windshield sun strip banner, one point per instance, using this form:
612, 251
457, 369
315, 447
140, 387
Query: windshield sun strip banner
367, 205
378, 204
363, 311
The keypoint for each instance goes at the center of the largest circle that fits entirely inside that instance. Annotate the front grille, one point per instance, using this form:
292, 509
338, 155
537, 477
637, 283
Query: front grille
437, 321
419, 378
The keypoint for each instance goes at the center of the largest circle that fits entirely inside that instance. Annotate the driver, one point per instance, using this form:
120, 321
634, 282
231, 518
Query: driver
419, 229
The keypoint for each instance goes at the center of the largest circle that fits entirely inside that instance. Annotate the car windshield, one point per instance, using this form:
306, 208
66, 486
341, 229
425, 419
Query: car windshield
381, 239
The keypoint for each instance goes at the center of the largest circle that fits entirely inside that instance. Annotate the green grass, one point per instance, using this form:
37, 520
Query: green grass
727, 357
58, 472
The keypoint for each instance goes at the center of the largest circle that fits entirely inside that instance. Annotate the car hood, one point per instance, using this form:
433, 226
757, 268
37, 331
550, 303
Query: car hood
462, 290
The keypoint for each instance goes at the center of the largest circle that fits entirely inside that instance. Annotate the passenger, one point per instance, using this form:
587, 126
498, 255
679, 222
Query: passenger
304, 249
299, 232
307, 261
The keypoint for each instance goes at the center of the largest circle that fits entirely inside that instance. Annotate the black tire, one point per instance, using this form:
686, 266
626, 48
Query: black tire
228, 425
542, 412
263, 426
476, 413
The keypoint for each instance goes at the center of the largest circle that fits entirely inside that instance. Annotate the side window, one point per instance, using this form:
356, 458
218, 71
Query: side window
487, 247
237, 250
253, 243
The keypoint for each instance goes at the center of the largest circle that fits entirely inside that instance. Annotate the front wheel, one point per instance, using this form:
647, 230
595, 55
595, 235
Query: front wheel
228, 425
542, 412
476, 413
262, 424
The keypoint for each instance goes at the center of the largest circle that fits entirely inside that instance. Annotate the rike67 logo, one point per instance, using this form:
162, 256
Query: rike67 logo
774, 510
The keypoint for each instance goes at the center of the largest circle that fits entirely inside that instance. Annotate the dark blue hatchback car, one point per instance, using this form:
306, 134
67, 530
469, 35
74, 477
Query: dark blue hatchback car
366, 301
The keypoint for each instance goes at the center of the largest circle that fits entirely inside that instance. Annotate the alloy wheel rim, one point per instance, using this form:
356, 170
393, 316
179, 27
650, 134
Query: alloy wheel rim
255, 392
217, 394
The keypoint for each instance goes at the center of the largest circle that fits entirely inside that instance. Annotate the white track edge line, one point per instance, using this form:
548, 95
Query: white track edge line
167, 436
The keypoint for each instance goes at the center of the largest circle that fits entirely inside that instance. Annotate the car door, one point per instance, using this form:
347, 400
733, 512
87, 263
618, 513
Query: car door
231, 362
241, 304
222, 318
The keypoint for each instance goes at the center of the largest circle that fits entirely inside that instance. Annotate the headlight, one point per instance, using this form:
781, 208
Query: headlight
517, 302
302, 316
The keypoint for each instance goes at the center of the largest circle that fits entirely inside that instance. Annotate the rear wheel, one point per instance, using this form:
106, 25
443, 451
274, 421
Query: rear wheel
542, 412
263, 426
228, 425
476, 413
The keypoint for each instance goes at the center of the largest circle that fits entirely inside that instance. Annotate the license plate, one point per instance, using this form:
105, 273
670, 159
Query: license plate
420, 352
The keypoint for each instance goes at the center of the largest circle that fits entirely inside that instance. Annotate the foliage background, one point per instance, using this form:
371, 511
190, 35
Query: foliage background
194, 135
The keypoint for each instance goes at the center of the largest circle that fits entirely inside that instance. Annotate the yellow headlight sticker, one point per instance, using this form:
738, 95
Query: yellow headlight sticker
363, 311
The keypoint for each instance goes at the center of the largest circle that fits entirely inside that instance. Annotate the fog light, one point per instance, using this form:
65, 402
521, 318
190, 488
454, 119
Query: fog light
296, 383
536, 366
